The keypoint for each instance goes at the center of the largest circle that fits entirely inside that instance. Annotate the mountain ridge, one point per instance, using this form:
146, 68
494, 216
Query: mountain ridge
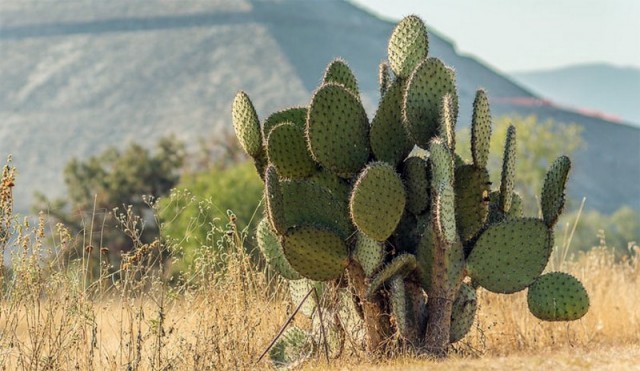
73, 94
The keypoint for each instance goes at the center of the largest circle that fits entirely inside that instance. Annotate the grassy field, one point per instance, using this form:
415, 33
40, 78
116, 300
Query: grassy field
60, 315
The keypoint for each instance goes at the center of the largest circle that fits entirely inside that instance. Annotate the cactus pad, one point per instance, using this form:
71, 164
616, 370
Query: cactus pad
463, 312
480, 129
246, 124
441, 163
274, 201
402, 308
338, 130
495, 213
271, 248
552, 199
384, 78
287, 151
298, 289
472, 187
377, 201
316, 253
401, 265
408, 45
339, 72
427, 86
416, 180
295, 115
447, 121
307, 202
444, 213
510, 255
336, 185
508, 170
389, 140
557, 296
369, 253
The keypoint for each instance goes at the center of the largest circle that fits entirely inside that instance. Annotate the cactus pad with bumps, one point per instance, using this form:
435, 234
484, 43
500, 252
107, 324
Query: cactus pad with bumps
271, 248
295, 115
552, 199
389, 140
339, 72
287, 151
316, 253
408, 46
427, 86
274, 201
306, 202
338, 130
480, 129
246, 124
510, 255
369, 253
472, 187
558, 296
416, 180
463, 312
377, 201
508, 170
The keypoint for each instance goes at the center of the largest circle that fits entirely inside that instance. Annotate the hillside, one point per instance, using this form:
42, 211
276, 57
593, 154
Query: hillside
592, 87
78, 77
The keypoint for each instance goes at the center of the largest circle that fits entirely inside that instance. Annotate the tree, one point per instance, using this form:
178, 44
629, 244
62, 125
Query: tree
115, 179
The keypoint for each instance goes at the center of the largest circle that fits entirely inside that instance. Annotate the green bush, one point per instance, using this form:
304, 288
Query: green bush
195, 215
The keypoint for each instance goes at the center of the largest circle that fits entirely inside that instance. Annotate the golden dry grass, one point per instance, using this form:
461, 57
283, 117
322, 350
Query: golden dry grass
53, 317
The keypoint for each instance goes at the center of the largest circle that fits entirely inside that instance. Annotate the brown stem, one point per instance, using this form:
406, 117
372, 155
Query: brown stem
438, 326
376, 323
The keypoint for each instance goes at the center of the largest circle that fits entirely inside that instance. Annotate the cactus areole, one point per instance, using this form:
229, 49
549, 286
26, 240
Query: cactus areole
400, 241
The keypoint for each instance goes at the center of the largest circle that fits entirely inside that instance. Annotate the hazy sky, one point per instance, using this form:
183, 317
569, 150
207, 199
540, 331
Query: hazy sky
530, 34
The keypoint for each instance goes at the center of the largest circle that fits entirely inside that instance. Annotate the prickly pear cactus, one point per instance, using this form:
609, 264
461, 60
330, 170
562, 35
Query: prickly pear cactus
406, 238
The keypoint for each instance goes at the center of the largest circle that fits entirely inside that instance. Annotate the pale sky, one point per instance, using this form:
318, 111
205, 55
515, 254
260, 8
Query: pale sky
520, 35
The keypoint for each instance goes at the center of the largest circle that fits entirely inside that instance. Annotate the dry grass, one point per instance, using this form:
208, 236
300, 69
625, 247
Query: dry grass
53, 317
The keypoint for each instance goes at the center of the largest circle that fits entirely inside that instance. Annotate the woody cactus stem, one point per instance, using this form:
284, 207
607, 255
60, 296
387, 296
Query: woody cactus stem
399, 243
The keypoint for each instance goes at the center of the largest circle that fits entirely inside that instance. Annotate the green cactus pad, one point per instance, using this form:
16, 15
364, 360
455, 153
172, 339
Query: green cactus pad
339, 72
509, 256
424, 255
294, 346
428, 84
295, 115
271, 248
336, 185
377, 201
389, 140
306, 202
409, 231
299, 289
472, 187
408, 45
552, 199
416, 180
441, 163
401, 265
402, 308
463, 312
287, 151
274, 201
369, 253
480, 130
508, 170
316, 253
444, 213
384, 78
558, 296
246, 124
447, 122
338, 130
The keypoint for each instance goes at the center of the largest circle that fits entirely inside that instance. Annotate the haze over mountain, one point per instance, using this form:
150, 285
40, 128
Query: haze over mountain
78, 77
604, 88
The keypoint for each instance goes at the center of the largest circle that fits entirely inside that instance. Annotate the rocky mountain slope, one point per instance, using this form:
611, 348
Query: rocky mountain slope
77, 77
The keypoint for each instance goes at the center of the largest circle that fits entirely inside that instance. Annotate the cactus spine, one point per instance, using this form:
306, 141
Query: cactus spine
405, 238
